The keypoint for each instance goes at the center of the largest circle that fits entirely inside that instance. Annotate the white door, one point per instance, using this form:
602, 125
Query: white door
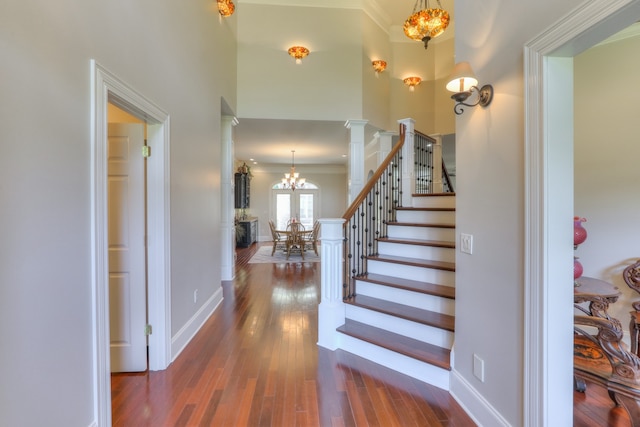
127, 256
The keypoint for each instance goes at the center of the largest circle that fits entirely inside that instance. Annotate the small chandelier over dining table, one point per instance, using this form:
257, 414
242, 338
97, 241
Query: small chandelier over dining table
292, 179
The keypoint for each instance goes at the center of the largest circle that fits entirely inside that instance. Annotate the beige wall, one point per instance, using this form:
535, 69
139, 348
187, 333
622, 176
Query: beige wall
606, 170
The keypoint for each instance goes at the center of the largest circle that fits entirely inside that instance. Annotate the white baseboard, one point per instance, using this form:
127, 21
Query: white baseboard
191, 328
474, 404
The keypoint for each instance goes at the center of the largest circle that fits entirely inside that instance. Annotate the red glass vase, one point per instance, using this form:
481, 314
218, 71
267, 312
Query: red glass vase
579, 232
577, 268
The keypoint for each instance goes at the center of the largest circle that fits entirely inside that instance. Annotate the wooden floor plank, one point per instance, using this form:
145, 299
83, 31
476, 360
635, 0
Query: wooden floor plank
256, 362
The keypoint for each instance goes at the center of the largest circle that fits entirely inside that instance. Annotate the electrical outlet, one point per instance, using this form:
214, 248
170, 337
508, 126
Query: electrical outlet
466, 243
195, 296
478, 367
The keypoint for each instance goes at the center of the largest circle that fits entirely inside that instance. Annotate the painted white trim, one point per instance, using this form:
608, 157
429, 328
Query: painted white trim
548, 60
108, 88
184, 336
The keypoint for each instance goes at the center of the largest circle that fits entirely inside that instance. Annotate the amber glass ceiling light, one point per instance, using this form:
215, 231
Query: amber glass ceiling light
298, 52
412, 82
426, 23
379, 65
463, 83
226, 7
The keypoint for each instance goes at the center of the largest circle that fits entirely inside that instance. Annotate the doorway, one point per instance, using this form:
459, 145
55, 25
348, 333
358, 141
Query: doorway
548, 353
107, 88
302, 204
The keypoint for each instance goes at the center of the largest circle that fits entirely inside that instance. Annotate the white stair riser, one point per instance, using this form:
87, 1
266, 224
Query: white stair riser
425, 233
417, 251
424, 372
421, 274
405, 297
434, 202
427, 217
417, 331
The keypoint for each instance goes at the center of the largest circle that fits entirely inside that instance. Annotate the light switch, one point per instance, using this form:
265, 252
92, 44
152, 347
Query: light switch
466, 243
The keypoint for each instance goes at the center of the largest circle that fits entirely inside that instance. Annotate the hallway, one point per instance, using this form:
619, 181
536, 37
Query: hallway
256, 362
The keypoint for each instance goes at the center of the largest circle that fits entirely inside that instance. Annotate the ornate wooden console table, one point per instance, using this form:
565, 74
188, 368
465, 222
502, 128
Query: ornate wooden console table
599, 354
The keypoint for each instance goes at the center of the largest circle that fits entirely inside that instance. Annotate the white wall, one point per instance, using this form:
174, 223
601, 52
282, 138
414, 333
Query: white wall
490, 200
45, 260
606, 170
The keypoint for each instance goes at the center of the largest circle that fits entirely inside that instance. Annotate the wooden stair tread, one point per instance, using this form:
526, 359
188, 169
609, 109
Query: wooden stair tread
421, 224
410, 285
416, 262
418, 315
412, 208
410, 347
419, 242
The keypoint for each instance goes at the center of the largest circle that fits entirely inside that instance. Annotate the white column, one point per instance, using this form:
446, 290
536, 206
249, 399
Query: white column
408, 167
356, 171
437, 164
227, 232
331, 310
385, 144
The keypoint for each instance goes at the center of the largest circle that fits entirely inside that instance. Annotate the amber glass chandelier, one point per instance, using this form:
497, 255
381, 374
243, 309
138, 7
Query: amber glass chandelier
298, 52
226, 7
292, 179
426, 23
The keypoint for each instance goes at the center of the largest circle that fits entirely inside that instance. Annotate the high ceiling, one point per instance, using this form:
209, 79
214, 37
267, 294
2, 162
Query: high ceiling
270, 141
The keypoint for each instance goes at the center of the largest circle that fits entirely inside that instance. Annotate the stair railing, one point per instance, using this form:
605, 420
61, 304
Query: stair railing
431, 175
367, 217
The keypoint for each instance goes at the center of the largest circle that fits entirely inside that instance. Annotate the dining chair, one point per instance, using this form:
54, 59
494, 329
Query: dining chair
294, 238
279, 241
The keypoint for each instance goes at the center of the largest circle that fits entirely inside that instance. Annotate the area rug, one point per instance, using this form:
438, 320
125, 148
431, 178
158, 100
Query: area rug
263, 256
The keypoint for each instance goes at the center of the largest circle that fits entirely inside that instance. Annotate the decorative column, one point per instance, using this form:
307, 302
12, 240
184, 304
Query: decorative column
227, 231
356, 171
408, 162
438, 185
385, 143
331, 310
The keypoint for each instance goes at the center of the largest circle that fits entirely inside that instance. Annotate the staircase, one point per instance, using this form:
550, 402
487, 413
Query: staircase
402, 312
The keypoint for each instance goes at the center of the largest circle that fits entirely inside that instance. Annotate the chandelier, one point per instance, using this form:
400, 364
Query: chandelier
292, 179
426, 23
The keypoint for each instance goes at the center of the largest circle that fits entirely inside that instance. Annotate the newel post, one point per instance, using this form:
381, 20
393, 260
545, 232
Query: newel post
331, 310
408, 162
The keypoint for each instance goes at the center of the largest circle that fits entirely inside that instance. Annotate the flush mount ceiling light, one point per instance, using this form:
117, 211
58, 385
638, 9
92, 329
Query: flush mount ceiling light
412, 82
463, 83
379, 65
298, 52
426, 23
292, 179
226, 7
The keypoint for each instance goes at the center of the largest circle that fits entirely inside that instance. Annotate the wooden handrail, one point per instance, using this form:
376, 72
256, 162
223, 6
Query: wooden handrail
351, 210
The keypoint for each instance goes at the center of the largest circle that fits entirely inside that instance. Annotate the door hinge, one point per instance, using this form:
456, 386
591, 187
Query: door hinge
147, 330
146, 151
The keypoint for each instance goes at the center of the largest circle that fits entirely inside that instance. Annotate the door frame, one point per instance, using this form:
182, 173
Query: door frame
548, 317
106, 87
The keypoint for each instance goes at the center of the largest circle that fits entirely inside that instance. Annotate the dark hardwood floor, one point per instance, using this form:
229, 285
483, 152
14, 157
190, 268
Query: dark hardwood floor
255, 362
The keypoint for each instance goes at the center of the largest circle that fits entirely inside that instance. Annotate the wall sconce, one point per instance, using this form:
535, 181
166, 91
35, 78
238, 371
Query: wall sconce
379, 65
463, 83
412, 82
298, 52
226, 7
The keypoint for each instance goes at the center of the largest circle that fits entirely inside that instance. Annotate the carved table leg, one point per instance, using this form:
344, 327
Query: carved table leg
632, 407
